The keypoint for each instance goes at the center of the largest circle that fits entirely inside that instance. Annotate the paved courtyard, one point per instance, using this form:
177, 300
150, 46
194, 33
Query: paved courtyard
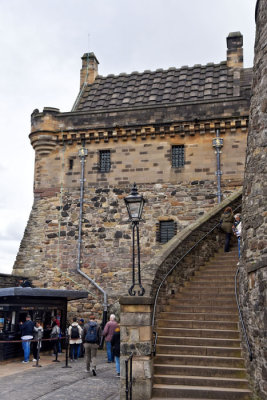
52, 382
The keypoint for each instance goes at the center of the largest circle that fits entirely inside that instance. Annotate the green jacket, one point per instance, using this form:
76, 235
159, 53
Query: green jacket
227, 219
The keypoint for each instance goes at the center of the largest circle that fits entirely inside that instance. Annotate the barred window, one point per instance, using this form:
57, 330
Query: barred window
178, 156
104, 160
166, 230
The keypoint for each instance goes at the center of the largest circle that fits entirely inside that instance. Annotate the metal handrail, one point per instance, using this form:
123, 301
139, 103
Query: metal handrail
177, 262
175, 265
241, 318
129, 382
154, 346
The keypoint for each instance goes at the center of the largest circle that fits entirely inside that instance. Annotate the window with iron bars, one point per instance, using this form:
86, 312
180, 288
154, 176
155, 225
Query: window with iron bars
165, 230
104, 160
178, 156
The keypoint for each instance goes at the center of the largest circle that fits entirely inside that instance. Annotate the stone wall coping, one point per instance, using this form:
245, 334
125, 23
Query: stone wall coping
170, 246
11, 276
136, 300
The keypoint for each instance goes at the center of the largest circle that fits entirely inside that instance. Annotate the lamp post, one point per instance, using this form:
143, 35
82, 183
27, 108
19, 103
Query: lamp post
135, 203
217, 143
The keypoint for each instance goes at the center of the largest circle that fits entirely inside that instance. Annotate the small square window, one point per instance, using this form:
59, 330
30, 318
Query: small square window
178, 156
166, 230
104, 160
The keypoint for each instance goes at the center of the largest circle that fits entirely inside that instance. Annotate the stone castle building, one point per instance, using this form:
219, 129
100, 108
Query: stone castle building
152, 128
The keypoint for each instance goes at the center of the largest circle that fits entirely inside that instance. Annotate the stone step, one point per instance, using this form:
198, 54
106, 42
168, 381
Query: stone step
198, 350
194, 324
209, 284
218, 267
200, 392
198, 341
212, 273
204, 302
221, 279
223, 261
189, 359
195, 370
204, 333
199, 316
200, 309
200, 381
203, 295
198, 347
207, 290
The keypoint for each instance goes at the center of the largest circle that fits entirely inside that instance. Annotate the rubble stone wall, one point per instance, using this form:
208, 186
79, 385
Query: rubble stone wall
48, 251
253, 275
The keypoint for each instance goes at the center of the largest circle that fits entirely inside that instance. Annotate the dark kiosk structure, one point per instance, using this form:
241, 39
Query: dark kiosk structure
41, 304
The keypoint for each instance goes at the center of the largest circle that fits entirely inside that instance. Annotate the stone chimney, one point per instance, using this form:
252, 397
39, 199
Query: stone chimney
234, 50
89, 69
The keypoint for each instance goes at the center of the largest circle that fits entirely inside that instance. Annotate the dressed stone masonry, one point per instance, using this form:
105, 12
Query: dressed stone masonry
253, 276
136, 339
137, 118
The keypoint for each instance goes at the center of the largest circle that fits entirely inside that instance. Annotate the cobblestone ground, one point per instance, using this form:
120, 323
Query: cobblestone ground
57, 383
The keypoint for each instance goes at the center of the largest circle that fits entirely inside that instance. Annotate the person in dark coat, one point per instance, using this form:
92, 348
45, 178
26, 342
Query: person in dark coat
227, 220
115, 343
26, 329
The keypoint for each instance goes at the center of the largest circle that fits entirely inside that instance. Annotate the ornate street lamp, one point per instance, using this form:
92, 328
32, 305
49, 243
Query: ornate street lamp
135, 203
217, 143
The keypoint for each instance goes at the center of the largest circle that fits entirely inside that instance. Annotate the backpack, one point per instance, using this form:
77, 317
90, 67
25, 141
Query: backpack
91, 334
75, 332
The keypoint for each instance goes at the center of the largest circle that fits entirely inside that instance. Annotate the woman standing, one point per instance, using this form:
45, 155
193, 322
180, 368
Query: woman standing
227, 220
55, 335
37, 336
115, 343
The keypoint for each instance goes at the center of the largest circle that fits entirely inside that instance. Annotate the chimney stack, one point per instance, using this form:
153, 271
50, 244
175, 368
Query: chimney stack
234, 50
89, 69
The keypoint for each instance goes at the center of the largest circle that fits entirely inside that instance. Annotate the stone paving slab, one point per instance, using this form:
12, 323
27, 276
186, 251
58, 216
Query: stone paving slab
57, 383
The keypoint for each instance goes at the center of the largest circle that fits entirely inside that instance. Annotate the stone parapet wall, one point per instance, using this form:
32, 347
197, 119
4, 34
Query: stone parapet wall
9, 280
253, 265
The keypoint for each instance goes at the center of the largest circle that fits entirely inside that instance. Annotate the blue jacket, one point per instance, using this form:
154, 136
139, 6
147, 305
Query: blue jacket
27, 328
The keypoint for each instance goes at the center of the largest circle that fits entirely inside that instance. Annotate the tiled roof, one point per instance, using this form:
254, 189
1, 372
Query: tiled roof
197, 83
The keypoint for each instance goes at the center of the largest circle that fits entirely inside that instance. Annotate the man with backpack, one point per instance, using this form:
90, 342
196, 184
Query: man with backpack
91, 339
75, 339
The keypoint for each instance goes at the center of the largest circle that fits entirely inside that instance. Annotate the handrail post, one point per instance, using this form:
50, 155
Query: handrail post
67, 351
38, 353
135, 322
126, 380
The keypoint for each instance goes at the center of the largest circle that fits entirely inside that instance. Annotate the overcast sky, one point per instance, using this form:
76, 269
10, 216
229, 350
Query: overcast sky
41, 42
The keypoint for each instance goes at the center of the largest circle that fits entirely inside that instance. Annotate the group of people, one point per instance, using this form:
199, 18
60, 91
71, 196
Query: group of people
84, 339
30, 331
231, 223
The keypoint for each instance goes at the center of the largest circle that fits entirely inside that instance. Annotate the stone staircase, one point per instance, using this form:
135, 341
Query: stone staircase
198, 348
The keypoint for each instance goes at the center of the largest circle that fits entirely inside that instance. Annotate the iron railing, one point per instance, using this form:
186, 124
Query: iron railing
129, 378
154, 345
175, 265
241, 318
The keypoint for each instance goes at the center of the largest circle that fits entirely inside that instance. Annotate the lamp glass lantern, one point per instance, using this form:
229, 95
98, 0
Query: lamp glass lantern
135, 204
